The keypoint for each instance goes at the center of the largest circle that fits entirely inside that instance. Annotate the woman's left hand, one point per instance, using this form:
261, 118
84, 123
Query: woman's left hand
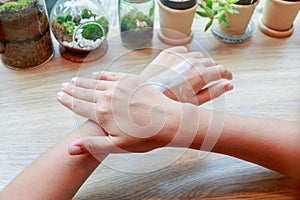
136, 116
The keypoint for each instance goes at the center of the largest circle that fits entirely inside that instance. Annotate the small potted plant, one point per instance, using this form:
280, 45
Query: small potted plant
136, 20
233, 17
175, 20
25, 40
80, 31
278, 17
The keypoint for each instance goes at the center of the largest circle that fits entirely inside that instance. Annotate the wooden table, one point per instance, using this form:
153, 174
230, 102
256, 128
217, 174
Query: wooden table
267, 84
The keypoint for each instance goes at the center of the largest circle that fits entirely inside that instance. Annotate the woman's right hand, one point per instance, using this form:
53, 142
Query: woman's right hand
183, 76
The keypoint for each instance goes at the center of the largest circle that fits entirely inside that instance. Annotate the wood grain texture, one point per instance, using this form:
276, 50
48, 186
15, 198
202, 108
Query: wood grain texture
267, 84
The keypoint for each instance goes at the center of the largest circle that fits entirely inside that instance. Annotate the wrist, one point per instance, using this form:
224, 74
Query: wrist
183, 127
187, 127
172, 118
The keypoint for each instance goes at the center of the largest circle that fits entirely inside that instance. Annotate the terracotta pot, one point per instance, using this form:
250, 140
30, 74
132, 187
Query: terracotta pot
175, 24
279, 15
239, 22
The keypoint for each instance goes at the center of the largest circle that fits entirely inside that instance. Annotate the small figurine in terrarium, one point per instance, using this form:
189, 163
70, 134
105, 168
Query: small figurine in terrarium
136, 19
81, 28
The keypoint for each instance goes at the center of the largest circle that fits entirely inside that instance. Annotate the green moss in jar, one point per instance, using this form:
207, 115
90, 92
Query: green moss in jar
83, 31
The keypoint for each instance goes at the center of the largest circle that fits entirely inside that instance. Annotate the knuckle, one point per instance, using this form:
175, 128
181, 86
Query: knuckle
165, 52
77, 81
212, 61
108, 94
89, 145
222, 70
192, 61
103, 109
199, 54
76, 106
111, 77
200, 68
202, 79
87, 93
70, 88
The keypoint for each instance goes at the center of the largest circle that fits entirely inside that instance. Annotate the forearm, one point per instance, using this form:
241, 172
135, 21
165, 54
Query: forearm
274, 144
55, 174
271, 143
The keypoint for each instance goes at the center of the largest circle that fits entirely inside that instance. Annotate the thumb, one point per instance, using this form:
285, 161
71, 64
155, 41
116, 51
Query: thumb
94, 145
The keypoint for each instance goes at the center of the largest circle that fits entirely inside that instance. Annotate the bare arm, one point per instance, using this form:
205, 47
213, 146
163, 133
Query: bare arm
267, 142
274, 144
271, 143
55, 174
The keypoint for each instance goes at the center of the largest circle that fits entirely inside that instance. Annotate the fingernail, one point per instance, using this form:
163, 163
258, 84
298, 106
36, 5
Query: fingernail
75, 150
228, 85
59, 95
73, 80
65, 85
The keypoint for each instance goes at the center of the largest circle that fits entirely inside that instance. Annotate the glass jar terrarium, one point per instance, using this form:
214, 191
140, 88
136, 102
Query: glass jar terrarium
80, 27
136, 18
25, 40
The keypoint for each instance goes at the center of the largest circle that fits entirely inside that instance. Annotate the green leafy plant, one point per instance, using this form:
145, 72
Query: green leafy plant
69, 22
69, 26
67, 18
216, 10
87, 14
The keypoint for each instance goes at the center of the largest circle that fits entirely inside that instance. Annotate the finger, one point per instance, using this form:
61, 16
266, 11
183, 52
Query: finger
177, 49
191, 67
83, 108
80, 93
94, 145
184, 53
92, 84
207, 62
216, 73
204, 76
163, 61
171, 56
108, 76
193, 54
214, 91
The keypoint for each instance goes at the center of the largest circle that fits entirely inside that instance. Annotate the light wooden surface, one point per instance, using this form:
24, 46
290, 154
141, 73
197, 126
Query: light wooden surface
267, 84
